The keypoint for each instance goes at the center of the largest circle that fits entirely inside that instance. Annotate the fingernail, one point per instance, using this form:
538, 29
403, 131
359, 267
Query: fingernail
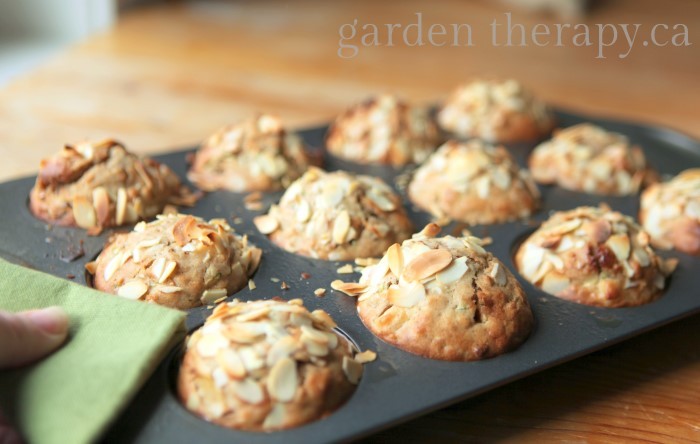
52, 320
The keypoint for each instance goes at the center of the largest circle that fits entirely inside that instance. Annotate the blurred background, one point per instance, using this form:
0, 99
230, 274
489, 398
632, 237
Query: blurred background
160, 75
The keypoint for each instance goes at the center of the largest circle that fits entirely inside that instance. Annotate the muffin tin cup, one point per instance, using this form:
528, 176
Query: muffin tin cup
397, 386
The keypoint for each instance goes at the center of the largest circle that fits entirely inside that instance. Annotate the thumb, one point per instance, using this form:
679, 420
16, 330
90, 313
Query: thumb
30, 335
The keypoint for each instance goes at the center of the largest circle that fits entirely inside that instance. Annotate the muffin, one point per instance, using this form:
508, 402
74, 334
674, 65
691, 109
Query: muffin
95, 185
266, 365
670, 212
383, 130
589, 159
257, 154
443, 298
495, 111
336, 216
179, 261
473, 182
593, 256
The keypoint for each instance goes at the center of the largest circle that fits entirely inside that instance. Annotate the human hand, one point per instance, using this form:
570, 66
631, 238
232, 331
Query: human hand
24, 338
30, 335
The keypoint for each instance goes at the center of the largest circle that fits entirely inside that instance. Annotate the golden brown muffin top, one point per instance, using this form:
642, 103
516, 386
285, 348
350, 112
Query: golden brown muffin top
594, 256
383, 129
178, 260
267, 365
100, 184
336, 215
257, 154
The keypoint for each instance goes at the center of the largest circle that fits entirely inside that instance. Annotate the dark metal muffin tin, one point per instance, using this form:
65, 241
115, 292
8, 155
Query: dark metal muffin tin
398, 386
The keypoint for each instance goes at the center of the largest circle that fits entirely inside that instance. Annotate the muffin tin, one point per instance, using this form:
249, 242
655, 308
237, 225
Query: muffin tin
398, 386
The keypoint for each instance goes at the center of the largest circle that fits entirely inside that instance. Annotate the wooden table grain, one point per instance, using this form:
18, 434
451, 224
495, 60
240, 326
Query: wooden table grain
169, 74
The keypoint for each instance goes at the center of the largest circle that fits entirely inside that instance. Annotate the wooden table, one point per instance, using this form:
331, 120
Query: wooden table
167, 75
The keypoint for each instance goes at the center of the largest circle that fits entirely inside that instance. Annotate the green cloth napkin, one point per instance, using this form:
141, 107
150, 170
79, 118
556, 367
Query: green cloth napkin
114, 345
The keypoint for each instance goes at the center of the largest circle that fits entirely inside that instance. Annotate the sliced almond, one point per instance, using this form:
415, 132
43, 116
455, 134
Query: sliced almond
100, 200
248, 390
167, 271
112, 266
349, 288
620, 246
157, 267
120, 212
427, 264
660, 281
474, 243
253, 314
232, 364
282, 348
332, 340
565, 227
346, 269
84, 213
283, 380
250, 358
555, 260
313, 334
212, 294
183, 230
482, 185
320, 292
352, 370
374, 274
220, 377
383, 202
366, 261
341, 226
133, 289
365, 356
323, 319
501, 178
275, 419
498, 274
304, 211
455, 271
406, 296
314, 348
244, 332
395, 258
251, 284
642, 256
209, 345
554, 283
430, 230
169, 288
266, 224
531, 259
